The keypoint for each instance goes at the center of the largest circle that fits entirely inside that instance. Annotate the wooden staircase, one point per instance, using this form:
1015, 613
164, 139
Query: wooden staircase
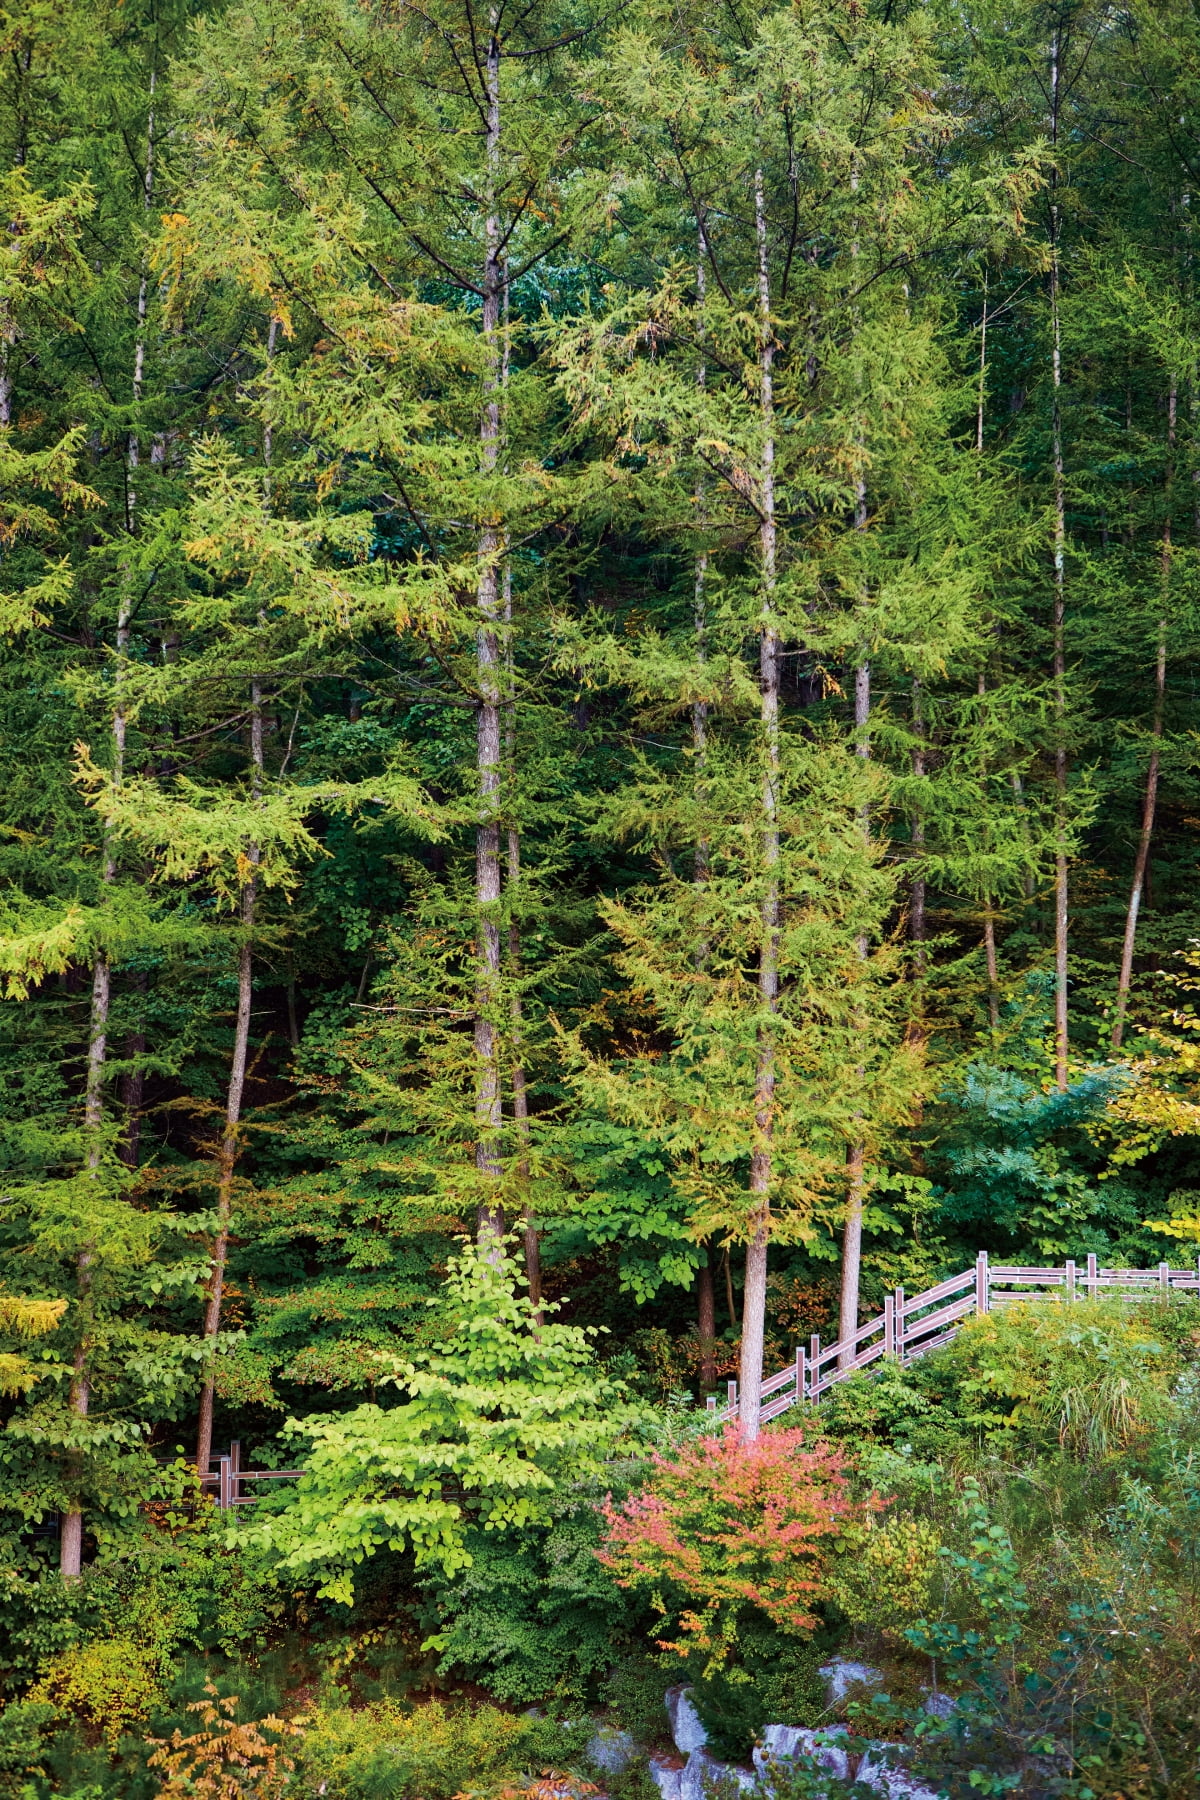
909, 1326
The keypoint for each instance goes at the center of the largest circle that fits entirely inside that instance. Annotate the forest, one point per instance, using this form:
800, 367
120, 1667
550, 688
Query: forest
599, 800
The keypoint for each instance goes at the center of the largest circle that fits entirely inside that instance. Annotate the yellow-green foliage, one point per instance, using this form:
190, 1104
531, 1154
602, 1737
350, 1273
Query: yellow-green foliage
111, 1685
885, 1575
22, 1318
425, 1753
1096, 1373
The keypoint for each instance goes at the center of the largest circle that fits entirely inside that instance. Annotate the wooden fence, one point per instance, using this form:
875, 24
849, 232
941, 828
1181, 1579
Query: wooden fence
227, 1477
911, 1325
908, 1327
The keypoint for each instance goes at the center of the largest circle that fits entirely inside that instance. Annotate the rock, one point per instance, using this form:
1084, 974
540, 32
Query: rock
703, 1769
781, 1742
877, 1771
667, 1776
940, 1706
686, 1730
611, 1750
842, 1676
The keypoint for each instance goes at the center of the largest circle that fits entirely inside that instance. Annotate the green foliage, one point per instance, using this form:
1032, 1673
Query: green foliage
509, 1408
22, 1746
1096, 1374
535, 1615
775, 1680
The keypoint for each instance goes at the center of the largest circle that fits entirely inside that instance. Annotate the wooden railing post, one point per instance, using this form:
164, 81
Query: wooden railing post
898, 1321
889, 1325
1093, 1284
800, 1394
225, 1484
982, 1295
1164, 1277
731, 1390
1070, 1281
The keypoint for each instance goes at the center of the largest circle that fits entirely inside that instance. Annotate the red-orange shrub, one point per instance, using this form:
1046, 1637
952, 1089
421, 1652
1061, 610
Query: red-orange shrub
723, 1527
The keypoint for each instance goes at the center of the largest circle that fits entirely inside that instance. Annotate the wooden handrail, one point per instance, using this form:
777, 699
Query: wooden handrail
911, 1325
229, 1475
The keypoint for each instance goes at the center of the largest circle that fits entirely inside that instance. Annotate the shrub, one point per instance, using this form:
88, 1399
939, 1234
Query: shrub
636, 1691
226, 1760
22, 1746
507, 1412
885, 1574
110, 1684
1096, 1374
388, 1752
777, 1680
535, 1615
726, 1530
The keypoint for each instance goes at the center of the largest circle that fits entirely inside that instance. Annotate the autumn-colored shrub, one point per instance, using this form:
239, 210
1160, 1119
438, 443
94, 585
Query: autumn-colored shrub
226, 1760
723, 1529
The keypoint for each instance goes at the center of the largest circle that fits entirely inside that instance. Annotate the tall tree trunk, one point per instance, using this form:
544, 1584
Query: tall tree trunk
520, 1087
488, 1100
706, 1322
228, 1148
700, 602
133, 1083
1150, 798
856, 1159
1061, 892
917, 925
754, 1300
982, 393
989, 921
71, 1526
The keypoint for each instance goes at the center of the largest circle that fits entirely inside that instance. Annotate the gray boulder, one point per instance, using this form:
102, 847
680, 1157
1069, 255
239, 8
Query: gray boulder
782, 1742
842, 1676
879, 1771
686, 1730
666, 1778
610, 1749
703, 1768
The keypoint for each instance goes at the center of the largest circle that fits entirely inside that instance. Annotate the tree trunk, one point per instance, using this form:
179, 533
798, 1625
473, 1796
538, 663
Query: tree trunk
700, 605
989, 918
855, 1162
520, 1088
227, 1151
754, 1299
1061, 894
71, 1529
488, 1101
917, 925
70, 1543
1150, 798
706, 1322
982, 394
133, 1084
